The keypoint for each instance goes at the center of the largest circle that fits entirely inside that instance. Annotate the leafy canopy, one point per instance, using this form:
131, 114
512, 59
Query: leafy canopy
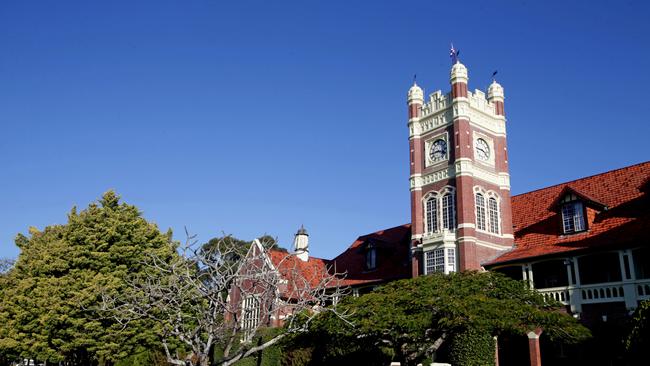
48, 298
410, 319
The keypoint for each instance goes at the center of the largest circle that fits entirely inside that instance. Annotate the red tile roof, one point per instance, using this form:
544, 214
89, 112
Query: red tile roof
298, 272
393, 262
626, 222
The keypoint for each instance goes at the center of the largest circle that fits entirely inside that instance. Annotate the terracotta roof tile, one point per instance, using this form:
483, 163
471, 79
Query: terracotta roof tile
393, 247
626, 222
313, 271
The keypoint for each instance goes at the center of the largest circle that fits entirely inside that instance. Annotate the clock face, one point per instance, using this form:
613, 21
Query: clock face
438, 150
482, 149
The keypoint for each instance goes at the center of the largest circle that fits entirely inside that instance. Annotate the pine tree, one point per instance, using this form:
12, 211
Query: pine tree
49, 300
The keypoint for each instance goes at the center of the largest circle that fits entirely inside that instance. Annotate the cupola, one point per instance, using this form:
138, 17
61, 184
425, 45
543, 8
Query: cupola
301, 244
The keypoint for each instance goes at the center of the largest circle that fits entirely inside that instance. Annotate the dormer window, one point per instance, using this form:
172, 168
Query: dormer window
371, 257
573, 217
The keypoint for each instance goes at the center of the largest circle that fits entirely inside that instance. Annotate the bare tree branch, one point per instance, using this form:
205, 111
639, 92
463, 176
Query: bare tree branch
199, 298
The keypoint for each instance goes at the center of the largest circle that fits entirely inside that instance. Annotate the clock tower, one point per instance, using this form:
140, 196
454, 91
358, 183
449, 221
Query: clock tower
459, 180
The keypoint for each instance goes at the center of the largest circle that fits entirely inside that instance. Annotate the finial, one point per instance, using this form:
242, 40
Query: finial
415, 77
493, 76
302, 230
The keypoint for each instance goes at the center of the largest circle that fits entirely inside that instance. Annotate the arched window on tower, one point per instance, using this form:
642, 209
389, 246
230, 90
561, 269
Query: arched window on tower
432, 214
480, 212
493, 211
448, 211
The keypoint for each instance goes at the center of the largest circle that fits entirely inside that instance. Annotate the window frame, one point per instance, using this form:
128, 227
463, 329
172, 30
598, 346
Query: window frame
494, 215
439, 210
250, 316
431, 214
448, 211
371, 257
487, 210
441, 259
576, 218
481, 217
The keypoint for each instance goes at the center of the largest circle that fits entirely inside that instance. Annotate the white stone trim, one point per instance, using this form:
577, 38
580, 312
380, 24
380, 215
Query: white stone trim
417, 181
492, 245
437, 102
532, 335
473, 239
440, 111
466, 167
461, 109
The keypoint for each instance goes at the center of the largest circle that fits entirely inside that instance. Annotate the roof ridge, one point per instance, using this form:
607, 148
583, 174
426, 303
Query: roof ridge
583, 178
383, 230
289, 253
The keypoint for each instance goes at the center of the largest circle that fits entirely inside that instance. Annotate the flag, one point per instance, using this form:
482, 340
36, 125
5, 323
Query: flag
453, 53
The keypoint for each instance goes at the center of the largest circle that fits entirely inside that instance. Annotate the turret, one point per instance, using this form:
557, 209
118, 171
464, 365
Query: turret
458, 78
301, 244
495, 96
415, 99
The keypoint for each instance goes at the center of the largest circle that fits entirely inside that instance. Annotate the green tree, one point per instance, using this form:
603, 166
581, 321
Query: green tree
49, 301
410, 320
638, 341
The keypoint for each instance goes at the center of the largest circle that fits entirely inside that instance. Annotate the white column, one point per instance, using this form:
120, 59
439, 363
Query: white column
567, 264
524, 272
531, 281
628, 285
575, 293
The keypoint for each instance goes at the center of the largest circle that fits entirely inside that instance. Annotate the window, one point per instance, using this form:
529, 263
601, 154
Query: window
440, 211
487, 213
480, 212
371, 257
451, 260
448, 219
573, 217
432, 214
250, 316
493, 210
435, 261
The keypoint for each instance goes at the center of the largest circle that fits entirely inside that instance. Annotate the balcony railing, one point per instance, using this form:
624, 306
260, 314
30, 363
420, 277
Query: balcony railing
598, 293
560, 294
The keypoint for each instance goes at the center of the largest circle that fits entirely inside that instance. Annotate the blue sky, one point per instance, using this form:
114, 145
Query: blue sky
253, 117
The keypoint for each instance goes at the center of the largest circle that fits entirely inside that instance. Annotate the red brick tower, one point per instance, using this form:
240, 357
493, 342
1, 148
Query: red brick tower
460, 185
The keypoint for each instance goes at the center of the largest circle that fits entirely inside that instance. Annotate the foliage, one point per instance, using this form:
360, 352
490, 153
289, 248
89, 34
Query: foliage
48, 300
638, 341
270, 356
144, 358
472, 347
413, 318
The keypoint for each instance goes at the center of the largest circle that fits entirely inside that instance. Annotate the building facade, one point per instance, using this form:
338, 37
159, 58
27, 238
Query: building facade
584, 243
459, 178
